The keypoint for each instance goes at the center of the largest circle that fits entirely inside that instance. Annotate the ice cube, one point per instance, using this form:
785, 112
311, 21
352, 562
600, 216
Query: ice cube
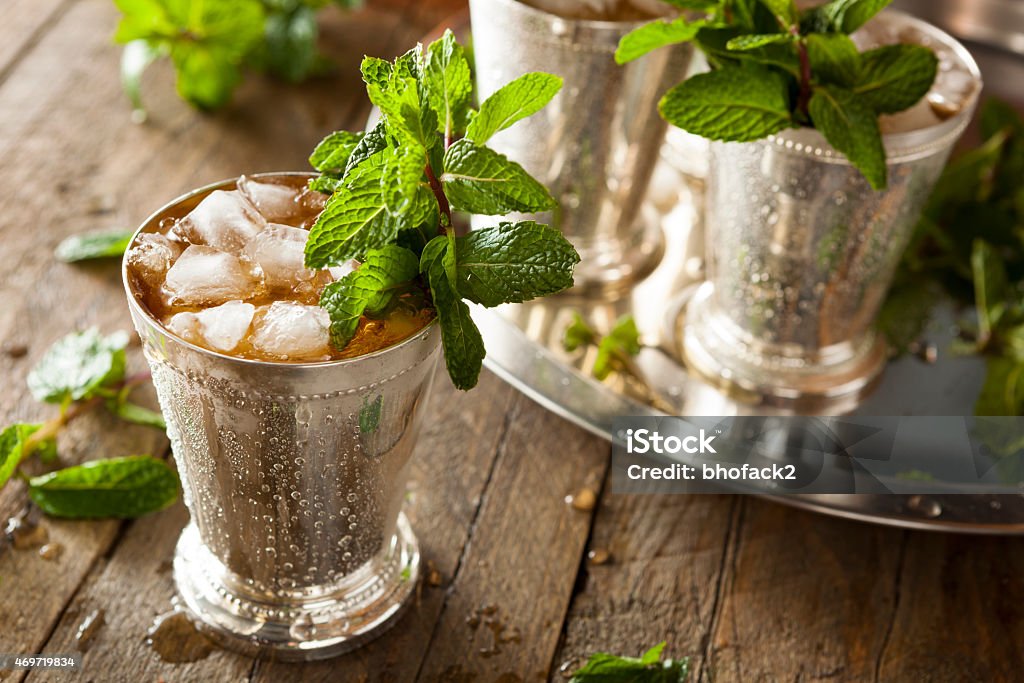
203, 275
279, 252
292, 331
223, 220
152, 255
185, 325
277, 203
223, 327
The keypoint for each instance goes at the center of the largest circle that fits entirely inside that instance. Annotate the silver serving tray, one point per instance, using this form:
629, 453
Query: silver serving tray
524, 341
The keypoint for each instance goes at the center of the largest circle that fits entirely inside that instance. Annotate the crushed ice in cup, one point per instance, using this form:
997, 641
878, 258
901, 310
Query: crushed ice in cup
152, 255
203, 276
224, 220
292, 331
279, 251
277, 203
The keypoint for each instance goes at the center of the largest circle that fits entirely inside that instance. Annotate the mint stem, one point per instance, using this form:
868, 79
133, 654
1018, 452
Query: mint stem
442, 200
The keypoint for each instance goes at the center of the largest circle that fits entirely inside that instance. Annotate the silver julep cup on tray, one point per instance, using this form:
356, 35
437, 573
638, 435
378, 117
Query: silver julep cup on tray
801, 252
596, 144
294, 476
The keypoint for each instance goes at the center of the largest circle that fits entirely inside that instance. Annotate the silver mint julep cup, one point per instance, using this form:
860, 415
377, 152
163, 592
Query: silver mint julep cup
294, 476
595, 145
801, 252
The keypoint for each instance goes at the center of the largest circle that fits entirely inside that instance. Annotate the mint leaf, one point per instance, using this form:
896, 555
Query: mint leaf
400, 177
834, 58
622, 342
371, 286
654, 35
373, 141
606, 668
119, 487
849, 15
77, 365
376, 71
895, 77
132, 412
851, 126
206, 75
756, 40
1002, 394
714, 42
354, 220
463, 346
783, 10
12, 448
479, 180
733, 103
512, 102
991, 289
331, 154
289, 50
512, 263
449, 83
93, 245
578, 334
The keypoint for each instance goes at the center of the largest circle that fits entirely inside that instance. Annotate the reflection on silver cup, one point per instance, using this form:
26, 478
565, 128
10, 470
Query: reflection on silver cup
294, 476
801, 253
596, 144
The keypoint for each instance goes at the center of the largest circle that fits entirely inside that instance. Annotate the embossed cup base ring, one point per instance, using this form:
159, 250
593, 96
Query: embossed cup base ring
315, 622
832, 381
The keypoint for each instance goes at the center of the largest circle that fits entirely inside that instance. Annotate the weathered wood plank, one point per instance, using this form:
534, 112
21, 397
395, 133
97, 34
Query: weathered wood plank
504, 610
659, 582
804, 597
24, 24
451, 466
960, 611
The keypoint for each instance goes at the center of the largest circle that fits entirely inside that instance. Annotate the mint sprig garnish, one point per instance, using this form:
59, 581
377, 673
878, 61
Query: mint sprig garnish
394, 190
80, 372
775, 66
602, 667
212, 43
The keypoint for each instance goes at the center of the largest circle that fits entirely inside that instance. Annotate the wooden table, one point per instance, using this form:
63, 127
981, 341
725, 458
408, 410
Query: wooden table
748, 589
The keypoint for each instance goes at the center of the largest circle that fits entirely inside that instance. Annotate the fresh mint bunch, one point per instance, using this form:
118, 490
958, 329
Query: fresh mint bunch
775, 67
82, 371
395, 188
211, 42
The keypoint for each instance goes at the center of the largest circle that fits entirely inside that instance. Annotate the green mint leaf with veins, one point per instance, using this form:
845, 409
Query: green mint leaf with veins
755, 40
784, 11
332, 153
849, 15
77, 365
136, 414
851, 126
654, 35
648, 668
449, 84
463, 346
93, 245
400, 177
12, 448
479, 180
512, 263
613, 350
354, 220
735, 104
714, 42
514, 101
369, 288
376, 71
895, 77
118, 487
373, 141
834, 59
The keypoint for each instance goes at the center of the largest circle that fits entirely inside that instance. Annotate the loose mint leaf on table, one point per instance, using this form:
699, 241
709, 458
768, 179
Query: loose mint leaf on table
479, 180
93, 245
12, 448
895, 77
834, 59
648, 668
78, 365
354, 220
119, 487
132, 412
449, 84
733, 103
513, 262
851, 126
512, 102
369, 288
654, 35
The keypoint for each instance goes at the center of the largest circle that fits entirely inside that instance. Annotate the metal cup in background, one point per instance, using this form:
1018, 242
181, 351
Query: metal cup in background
596, 144
294, 476
801, 253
